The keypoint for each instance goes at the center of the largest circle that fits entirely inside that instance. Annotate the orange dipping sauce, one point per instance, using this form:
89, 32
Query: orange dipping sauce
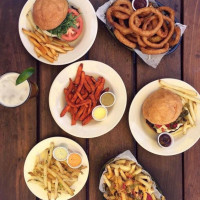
74, 160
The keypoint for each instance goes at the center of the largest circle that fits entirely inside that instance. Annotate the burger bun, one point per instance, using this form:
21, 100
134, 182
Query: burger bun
49, 14
162, 107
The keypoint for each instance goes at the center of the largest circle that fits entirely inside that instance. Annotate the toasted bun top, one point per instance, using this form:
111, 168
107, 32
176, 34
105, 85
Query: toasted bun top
162, 107
48, 14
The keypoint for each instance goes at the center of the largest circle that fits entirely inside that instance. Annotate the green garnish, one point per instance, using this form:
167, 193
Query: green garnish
25, 75
70, 21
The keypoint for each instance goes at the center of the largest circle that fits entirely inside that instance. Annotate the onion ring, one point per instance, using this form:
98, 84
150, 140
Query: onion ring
174, 41
120, 15
168, 10
145, 14
122, 29
138, 22
151, 51
148, 22
155, 39
162, 33
140, 42
132, 38
149, 27
127, 3
165, 40
139, 30
122, 23
123, 40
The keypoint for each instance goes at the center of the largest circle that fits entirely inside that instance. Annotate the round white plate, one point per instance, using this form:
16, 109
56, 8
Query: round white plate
146, 137
37, 149
94, 128
82, 44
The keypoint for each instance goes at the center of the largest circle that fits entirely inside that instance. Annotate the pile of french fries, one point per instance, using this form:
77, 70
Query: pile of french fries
45, 46
125, 180
53, 176
190, 100
82, 95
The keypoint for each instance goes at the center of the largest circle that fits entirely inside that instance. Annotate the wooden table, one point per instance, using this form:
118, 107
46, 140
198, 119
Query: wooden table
23, 127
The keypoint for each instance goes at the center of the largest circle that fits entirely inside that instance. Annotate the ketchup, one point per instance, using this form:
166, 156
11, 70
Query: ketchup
140, 4
165, 140
149, 197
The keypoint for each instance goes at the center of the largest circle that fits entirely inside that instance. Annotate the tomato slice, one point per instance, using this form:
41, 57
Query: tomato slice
149, 197
74, 33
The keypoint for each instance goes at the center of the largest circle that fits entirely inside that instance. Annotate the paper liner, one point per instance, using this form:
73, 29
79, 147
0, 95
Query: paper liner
151, 60
127, 155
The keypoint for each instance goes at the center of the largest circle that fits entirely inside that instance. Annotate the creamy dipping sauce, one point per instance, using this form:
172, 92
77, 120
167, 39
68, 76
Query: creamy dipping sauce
12, 95
60, 153
99, 113
74, 160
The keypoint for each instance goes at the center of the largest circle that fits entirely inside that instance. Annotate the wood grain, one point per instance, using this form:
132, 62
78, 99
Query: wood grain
21, 128
191, 74
106, 49
17, 125
165, 170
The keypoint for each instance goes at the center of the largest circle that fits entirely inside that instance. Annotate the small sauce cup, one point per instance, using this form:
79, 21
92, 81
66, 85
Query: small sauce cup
165, 140
137, 4
107, 99
74, 160
60, 153
99, 113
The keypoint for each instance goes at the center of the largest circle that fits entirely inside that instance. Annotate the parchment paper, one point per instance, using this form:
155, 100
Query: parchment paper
151, 60
128, 156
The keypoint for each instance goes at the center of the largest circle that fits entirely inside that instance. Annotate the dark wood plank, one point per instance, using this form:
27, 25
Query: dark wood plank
191, 60
47, 125
165, 170
17, 125
109, 51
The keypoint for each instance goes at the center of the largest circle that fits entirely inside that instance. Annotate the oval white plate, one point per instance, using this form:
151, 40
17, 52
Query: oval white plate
37, 149
146, 137
82, 44
93, 129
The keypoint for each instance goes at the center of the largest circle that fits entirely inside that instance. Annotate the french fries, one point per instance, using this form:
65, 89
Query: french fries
29, 16
81, 96
123, 184
53, 176
186, 91
45, 46
190, 99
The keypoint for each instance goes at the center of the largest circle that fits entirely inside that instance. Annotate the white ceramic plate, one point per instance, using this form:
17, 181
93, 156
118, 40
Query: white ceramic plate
82, 44
37, 149
146, 137
94, 128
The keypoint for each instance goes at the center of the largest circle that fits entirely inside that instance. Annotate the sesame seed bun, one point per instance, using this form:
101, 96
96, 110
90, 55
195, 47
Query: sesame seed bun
48, 14
162, 107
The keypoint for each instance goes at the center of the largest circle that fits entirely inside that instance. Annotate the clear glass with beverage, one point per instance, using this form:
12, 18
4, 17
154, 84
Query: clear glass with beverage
12, 95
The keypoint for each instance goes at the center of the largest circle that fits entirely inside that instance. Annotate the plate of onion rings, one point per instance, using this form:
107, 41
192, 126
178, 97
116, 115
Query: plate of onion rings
152, 30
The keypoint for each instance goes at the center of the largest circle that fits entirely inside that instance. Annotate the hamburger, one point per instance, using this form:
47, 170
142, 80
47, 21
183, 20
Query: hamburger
56, 18
164, 111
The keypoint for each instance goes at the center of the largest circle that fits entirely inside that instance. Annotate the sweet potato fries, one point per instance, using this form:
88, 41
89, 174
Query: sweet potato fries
82, 95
